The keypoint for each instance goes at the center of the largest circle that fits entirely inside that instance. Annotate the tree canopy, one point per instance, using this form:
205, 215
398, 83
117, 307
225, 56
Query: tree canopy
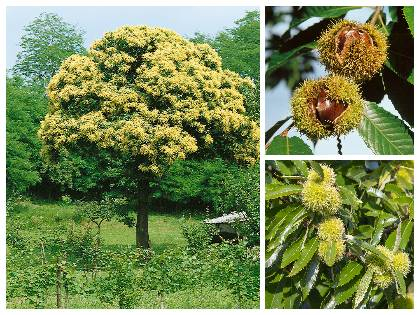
149, 93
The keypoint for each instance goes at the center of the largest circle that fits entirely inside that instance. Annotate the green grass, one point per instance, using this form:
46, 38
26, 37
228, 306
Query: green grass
41, 216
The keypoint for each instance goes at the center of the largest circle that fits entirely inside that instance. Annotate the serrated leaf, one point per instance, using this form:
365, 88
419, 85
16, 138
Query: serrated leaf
384, 133
310, 277
397, 238
330, 254
351, 270
279, 59
406, 234
343, 293
307, 253
308, 12
349, 197
292, 253
399, 279
276, 190
288, 146
366, 246
363, 287
409, 17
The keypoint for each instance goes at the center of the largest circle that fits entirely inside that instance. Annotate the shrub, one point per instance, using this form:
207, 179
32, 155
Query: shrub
197, 234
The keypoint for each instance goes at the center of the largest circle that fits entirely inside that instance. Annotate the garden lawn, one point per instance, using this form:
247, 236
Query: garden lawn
37, 217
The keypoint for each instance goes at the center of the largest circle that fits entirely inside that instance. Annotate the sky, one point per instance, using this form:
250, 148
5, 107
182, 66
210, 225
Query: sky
277, 100
98, 20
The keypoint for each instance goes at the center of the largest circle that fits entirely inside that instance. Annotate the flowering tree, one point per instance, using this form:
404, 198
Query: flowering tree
150, 97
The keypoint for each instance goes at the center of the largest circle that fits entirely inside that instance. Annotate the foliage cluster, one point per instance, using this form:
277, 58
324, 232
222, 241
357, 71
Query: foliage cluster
358, 256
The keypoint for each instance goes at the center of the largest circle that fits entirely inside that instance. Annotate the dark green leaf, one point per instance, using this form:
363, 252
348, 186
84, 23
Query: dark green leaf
278, 59
401, 47
406, 234
373, 90
310, 277
349, 197
308, 251
401, 94
343, 293
384, 133
308, 12
288, 146
351, 270
270, 132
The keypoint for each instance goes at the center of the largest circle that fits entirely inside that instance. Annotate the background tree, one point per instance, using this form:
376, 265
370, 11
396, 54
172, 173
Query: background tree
149, 97
26, 106
239, 48
46, 42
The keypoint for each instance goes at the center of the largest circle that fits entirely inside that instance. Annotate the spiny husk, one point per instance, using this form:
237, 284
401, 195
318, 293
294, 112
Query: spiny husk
321, 198
362, 61
331, 229
338, 88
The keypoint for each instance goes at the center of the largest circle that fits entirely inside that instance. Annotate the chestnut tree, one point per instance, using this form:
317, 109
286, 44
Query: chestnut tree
148, 97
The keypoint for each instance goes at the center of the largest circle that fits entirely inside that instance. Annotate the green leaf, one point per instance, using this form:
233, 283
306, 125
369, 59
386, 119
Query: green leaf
366, 246
409, 17
288, 146
276, 190
278, 59
308, 251
400, 92
351, 270
301, 167
399, 280
317, 168
343, 293
292, 253
307, 12
273, 293
349, 197
270, 132
406, 234
384, 133
310, 277
330, 254
363, 287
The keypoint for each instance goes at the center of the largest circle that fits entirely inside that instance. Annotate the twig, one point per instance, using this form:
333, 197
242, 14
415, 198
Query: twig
376, 15
286, 131
339, 146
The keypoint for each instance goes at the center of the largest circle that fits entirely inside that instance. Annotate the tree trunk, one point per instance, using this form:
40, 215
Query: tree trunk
142, 225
